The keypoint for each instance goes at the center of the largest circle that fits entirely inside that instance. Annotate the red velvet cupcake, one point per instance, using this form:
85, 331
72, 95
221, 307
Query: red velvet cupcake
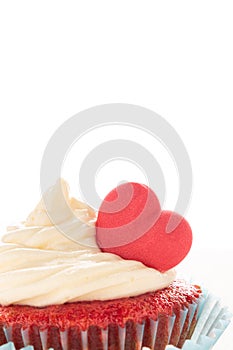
153, 319
60, 290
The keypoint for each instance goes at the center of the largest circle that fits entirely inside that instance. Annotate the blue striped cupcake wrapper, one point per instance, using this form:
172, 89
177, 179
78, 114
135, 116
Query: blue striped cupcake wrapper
213, 319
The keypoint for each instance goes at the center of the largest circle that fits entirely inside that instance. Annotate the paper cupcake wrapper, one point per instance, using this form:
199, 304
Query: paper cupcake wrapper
212, 321
208, 317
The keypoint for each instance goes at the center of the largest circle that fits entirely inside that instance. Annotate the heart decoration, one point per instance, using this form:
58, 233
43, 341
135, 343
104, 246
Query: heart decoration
131, 224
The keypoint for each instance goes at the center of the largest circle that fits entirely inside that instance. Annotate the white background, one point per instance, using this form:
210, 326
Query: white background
174, 57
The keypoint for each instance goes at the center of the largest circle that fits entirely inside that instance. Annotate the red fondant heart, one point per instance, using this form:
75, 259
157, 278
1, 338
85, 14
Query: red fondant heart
131, 224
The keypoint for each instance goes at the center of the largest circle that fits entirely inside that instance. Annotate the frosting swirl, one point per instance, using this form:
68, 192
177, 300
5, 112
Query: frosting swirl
40, 265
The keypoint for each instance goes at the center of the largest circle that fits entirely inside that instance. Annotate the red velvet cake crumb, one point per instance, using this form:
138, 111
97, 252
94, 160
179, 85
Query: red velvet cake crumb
103, 313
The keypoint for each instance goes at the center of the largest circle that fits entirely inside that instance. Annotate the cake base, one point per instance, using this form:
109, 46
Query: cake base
153, 319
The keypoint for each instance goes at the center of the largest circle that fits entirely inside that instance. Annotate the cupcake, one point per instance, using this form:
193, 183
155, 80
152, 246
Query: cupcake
66, 284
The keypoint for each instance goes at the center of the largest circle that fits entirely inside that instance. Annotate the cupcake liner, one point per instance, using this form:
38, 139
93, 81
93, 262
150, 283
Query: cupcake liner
195, 327
212, 321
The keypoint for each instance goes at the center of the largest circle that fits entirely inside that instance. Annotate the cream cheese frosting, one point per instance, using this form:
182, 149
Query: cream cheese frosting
54, 259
